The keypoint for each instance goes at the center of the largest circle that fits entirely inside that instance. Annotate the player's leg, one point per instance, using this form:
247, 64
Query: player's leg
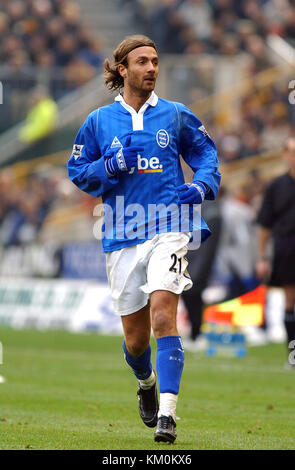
137, 350
126, 272
194, 305
170, 360
289, 319
167, 277
136, 345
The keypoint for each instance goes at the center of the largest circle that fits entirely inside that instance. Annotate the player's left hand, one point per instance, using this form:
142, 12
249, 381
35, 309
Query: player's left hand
192, 193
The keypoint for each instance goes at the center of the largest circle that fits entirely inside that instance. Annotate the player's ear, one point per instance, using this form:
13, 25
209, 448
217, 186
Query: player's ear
122, 70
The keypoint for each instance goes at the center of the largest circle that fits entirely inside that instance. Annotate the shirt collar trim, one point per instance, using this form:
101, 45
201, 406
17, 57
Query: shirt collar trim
152, 101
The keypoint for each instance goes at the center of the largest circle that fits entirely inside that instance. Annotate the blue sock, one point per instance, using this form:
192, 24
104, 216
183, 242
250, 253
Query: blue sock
170, 361
141, 366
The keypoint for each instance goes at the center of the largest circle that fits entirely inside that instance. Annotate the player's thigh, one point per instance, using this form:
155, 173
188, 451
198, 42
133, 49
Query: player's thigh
167, 266
125, 275
164, 311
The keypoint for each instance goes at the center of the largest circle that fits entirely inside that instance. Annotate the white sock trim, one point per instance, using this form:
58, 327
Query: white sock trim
149, 382
168, 402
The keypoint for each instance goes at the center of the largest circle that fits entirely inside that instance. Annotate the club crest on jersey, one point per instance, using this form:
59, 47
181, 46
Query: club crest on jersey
77, 151
116, 143
162, 138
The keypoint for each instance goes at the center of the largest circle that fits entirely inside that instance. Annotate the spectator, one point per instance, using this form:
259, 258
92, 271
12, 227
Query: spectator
78, 73
4, 24
54, 30
70, 13
41, 119
91, 50
67, 49
290, 24
236, 250
197, 14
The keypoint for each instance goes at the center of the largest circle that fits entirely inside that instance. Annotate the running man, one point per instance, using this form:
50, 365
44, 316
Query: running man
276, 220
129, 153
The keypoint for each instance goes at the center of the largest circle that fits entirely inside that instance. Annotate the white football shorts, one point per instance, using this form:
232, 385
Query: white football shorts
158, 264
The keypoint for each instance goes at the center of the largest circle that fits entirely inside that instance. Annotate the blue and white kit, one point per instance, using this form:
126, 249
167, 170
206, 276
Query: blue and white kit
165, 130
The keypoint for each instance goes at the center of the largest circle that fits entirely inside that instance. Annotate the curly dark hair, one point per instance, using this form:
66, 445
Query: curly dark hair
112, 79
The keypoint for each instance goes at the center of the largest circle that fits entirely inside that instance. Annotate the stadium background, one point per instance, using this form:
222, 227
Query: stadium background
231, 62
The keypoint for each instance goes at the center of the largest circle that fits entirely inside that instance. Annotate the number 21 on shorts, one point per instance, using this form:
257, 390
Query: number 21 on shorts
176, 261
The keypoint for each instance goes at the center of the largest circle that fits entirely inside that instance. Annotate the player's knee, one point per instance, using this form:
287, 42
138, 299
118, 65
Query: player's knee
162, 323
163, 312
136, 347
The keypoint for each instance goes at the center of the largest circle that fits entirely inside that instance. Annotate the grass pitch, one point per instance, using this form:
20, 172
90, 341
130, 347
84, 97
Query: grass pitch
74, 391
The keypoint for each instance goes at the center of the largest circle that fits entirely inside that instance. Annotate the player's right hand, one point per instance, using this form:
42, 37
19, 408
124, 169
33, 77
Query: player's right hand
124, 160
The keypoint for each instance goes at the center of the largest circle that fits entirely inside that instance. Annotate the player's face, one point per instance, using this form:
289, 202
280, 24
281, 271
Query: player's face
142, 71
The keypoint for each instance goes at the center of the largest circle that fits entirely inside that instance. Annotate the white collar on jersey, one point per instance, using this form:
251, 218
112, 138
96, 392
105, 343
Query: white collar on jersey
152, 101
137, 118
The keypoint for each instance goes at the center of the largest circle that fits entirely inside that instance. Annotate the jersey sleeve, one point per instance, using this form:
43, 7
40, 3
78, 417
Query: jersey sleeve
199, 151
265, 215
86, 166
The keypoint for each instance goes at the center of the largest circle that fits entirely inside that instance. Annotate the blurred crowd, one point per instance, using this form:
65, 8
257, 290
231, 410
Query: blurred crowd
266, 119
228, 28
48, 34
26, 203
215, 26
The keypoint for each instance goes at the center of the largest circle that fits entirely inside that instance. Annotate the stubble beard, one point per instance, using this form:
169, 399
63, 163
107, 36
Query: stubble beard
139, 89
143, 92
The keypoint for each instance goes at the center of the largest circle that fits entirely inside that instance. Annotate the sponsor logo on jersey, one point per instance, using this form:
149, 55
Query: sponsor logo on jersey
203, 130
149, 165
77, 151
162, 138
116, 143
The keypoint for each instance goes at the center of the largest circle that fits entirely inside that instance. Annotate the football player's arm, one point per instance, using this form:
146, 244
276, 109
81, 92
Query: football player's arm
199, 152
86, 166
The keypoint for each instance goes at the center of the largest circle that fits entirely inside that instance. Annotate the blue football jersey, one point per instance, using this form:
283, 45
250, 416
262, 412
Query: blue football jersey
136, 202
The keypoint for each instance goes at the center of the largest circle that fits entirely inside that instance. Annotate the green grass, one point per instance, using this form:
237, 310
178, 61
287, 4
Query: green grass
74, 391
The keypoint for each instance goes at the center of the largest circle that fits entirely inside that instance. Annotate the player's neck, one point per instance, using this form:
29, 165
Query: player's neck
292, 172
135, 100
